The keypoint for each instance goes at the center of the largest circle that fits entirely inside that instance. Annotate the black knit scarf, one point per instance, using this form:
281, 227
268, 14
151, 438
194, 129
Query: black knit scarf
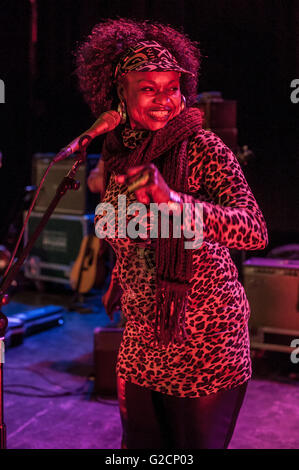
167, 148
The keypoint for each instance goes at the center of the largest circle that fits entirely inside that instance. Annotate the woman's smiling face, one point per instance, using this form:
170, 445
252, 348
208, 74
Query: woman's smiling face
152, 98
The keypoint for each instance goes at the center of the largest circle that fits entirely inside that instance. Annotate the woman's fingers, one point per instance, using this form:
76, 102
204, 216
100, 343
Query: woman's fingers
125, 178
136, 169
142, 196
142, 180
146, 182
136, 176
121, 179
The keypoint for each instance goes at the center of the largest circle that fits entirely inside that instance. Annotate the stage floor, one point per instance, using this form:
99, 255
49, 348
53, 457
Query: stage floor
49, 395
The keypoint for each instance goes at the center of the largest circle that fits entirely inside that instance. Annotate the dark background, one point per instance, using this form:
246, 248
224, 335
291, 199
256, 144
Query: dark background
251, 54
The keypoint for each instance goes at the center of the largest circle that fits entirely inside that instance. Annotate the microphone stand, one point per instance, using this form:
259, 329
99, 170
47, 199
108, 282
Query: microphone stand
68, 182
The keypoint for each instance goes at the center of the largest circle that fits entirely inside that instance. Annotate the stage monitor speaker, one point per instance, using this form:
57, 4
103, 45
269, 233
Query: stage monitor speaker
272, 289
73, 202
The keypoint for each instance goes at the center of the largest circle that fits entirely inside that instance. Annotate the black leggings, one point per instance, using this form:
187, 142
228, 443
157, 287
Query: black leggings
153, 420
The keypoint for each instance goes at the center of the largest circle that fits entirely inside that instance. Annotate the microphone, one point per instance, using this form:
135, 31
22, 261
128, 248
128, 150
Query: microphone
105, 123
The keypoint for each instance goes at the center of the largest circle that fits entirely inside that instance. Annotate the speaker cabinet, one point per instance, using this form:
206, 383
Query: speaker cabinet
220, 117
73, 202
272, 289
106, 346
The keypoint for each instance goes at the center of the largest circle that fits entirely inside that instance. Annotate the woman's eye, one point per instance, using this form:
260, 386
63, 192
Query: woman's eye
151, 89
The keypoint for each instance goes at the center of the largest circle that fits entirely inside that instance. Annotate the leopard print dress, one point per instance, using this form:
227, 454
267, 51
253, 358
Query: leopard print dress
216, 353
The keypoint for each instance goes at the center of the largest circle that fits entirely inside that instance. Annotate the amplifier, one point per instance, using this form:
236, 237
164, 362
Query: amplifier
272, 289
220, 116
57, 247
77, 202
106, 345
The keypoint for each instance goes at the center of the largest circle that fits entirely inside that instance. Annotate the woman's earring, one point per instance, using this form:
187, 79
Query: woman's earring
183, 103
121, 109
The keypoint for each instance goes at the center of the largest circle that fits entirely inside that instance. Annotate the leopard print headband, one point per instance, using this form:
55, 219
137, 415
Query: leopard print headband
147, 56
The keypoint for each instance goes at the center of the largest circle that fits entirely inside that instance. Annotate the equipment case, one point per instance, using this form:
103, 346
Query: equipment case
56, 249
271, 287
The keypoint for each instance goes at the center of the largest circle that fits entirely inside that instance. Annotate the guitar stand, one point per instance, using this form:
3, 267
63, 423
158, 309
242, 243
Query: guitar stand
68, 182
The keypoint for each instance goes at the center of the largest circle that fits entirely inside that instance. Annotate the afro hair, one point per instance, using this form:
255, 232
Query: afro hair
97, 57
